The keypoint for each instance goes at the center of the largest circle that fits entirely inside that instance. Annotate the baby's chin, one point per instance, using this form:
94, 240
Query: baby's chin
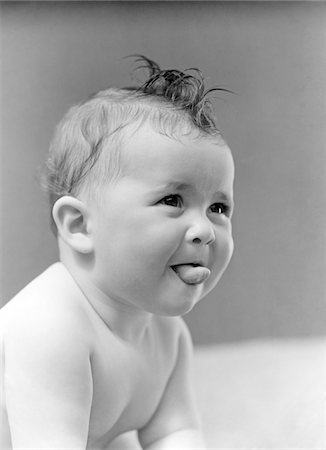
196, 295
209, 286
180, 306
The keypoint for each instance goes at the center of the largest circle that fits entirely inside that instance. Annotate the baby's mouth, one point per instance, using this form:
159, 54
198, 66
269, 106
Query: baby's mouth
191, 273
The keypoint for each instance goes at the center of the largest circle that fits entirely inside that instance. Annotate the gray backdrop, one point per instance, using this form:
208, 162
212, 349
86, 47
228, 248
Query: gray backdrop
271, 54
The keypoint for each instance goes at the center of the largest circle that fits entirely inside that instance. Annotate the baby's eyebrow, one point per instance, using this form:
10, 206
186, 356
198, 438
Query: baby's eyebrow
174, 186
178, 186
223, 196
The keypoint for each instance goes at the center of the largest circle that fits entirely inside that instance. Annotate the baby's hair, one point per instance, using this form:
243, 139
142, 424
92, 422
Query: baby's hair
175, 103
185, 91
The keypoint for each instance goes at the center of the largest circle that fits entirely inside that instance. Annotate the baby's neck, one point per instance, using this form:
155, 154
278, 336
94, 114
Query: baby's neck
125, 321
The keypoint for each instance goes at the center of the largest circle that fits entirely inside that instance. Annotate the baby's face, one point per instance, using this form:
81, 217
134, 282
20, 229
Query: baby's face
162, 230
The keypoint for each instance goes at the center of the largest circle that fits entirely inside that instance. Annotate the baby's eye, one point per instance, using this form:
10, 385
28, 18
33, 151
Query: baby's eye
172, 200
220, 208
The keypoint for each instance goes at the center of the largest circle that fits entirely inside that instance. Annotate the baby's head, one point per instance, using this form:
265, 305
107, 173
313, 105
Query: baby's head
141, 186
85, 150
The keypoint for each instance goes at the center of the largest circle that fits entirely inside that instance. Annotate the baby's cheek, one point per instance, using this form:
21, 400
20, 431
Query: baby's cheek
223, 254
161, 243
229, 247
226, 255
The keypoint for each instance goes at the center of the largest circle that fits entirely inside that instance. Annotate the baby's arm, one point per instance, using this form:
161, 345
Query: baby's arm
48, 382
175, 424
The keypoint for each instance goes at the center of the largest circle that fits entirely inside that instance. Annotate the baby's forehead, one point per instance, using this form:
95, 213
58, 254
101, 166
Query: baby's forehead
140, 138
148, 153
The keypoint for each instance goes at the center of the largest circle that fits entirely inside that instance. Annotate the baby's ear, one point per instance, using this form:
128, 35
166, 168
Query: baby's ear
72, 219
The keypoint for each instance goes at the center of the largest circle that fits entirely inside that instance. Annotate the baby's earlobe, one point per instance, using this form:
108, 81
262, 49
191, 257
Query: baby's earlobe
71, 218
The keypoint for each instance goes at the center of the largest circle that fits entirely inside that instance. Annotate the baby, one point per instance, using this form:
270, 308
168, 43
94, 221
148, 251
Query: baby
141, 189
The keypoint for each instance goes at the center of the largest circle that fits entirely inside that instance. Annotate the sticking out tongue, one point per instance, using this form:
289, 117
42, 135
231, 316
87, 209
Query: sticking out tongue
190, 274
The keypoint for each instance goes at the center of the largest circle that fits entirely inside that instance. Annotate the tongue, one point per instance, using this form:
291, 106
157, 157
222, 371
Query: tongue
192, 275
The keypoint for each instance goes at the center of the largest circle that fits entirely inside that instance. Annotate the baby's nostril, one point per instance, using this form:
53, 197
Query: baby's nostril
196, 241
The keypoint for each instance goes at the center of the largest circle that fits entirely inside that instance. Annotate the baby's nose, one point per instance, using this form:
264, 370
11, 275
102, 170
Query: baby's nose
201, 232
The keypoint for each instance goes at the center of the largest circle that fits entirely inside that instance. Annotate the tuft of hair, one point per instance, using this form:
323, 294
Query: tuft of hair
84, 151
184, 89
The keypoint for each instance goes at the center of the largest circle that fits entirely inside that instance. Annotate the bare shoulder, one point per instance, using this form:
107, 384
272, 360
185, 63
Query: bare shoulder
50, 307
46, 359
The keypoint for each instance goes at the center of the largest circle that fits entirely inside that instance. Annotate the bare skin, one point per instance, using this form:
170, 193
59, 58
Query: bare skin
100, 386
95, 346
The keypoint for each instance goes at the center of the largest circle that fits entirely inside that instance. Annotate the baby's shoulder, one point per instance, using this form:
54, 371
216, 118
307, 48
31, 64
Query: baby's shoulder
49, 307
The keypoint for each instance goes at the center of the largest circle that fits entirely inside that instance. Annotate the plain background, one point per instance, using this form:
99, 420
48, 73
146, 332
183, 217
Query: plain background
54, 54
